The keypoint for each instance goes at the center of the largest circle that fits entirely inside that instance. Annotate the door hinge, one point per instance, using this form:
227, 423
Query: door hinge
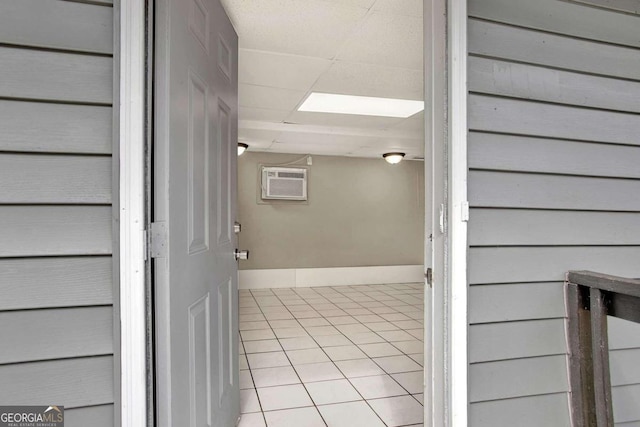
158, 240
429, 277
465, 211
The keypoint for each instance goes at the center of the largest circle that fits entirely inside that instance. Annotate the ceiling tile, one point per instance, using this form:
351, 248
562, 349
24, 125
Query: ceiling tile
268, 97
253, 136
342, 120
355, 3
300, 27
384, 39
339, 150
279, 70
414, 123
351, 78
304, 138
399, 7
262, 114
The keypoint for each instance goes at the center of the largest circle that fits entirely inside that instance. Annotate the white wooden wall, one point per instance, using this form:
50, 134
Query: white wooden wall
554, 185
56, 192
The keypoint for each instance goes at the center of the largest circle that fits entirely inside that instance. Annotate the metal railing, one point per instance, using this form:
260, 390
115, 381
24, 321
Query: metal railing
591, 297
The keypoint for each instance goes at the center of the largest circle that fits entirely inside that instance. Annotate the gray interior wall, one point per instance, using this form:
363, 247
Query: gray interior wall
56, 266
554, 179
360, 212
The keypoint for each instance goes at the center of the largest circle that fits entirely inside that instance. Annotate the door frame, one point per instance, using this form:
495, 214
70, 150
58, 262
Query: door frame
446, 213
445, 45
132, 243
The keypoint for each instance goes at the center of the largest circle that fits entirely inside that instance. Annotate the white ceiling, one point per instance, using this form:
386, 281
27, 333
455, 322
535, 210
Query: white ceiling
290, 48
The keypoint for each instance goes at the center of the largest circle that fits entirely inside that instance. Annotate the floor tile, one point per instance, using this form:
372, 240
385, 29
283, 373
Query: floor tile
267, 360
335, 391
307, 314
395, 335
396, 364
314, 321
299, 343
344, 352
393, 317
245, 380
284, 397
249, 401
291, 323
368, 318
398, 411
411, 381
313, 355
251, 317
359, 368
342, 320
242, 362
417, 333
269, 377
332, 340
249, 326
408, 324
260, 334
278, 316
409, 347
380, 350
307, 417
377, 386
290, 332
365, 338
324, 371
419, 358
252, 420
351, 414
317, 331
320, 329
352, 329
262, 346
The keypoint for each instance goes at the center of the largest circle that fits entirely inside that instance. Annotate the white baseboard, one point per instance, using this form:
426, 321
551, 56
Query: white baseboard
338, 276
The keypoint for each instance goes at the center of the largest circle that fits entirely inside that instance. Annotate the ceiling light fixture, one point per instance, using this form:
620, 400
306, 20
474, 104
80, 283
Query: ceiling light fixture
242, 148
393, 158
360, 105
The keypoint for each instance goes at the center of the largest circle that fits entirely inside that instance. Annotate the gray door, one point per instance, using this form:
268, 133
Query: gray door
195, 200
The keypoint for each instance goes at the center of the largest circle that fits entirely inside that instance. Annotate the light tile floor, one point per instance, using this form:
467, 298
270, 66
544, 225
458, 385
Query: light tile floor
346, 356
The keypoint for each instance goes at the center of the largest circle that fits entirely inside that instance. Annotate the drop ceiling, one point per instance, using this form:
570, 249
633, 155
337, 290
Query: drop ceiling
290, 48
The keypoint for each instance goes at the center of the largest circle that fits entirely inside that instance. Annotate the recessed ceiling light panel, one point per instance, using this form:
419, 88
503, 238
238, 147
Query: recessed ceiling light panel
360, 105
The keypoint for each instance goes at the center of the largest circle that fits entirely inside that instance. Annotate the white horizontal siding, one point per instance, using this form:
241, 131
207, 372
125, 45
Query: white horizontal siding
69, 332
55, 128
526, 301
51, 179
556, 51
57, 230
551, 410
554, 149
509, 227
55, 76
29, 283
57, 316
57, 24
70, 383
513, 153
506, 379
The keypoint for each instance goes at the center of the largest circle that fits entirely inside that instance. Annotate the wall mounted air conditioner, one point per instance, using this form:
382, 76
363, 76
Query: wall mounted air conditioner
279, 183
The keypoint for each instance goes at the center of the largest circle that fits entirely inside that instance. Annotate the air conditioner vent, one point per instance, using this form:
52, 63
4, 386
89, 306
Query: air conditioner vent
280, 183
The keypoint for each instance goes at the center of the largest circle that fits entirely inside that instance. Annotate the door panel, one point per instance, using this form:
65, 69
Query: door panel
194, 196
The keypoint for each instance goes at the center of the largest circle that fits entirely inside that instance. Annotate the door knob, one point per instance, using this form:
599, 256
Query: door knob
237, 227
240, 254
